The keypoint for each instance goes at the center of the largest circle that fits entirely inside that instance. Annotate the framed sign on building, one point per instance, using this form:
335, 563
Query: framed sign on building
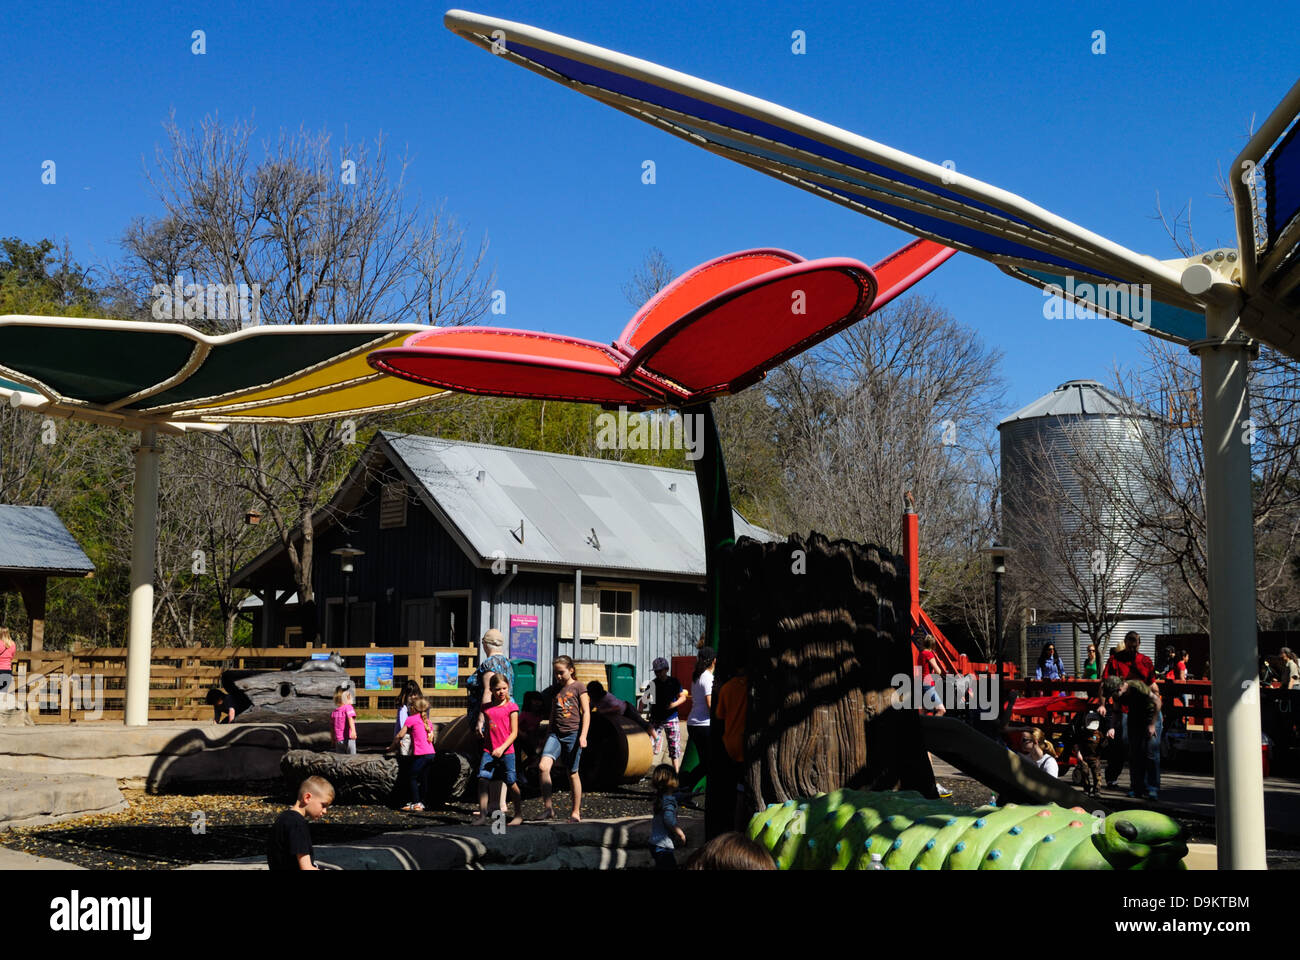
523, 637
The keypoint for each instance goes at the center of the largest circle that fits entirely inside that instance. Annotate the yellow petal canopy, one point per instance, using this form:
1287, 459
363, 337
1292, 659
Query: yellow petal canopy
167, 375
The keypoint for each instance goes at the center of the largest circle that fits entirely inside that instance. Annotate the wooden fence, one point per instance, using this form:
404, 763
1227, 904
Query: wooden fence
90, 684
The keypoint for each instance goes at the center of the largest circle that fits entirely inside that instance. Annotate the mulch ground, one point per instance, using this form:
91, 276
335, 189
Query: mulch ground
223, 821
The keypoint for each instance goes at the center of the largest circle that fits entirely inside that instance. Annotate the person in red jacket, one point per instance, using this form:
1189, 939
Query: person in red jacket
1126, 663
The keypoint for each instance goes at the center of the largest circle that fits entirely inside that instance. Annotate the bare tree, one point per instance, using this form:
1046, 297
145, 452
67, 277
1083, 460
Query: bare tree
965, 592
900, 402
328, 237
652, 275
1174, 535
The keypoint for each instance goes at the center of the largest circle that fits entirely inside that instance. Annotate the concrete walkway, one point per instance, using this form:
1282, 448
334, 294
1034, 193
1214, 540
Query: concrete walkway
17, 860
1192, 795
33, 799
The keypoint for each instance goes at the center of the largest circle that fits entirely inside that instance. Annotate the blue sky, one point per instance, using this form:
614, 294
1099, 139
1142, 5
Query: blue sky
1012, 94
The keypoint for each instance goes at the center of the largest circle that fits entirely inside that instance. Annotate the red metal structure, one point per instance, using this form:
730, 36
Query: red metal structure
950, 657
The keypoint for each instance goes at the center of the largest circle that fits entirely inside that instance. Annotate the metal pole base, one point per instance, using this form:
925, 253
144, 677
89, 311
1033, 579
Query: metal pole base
139, 643
1230, 536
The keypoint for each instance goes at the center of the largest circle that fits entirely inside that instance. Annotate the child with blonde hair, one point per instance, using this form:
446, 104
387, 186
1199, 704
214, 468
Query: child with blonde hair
422, 733
345, 722
1041, 751
289, 845
500, 731
7, 650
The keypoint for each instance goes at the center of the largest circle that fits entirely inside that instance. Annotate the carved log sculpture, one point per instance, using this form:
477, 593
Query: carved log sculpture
378, 778
821, 628
272, 695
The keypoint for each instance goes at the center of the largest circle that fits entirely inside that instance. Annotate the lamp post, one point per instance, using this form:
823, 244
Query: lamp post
345, 554
997, 555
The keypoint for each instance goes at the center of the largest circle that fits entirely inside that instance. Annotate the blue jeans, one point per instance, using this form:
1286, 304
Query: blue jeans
489, 766
418, 765
1144, 757
565, 749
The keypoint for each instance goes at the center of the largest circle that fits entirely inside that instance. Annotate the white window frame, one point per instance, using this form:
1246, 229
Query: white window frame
635, 591
591, 612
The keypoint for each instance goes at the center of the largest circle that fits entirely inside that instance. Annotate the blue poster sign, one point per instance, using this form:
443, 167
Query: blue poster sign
446, 671
379, 671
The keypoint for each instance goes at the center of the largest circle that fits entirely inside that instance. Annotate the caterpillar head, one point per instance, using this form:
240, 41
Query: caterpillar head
1141, 839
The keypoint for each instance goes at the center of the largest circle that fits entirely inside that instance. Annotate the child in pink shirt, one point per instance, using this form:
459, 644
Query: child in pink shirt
417, 722
501, 729
345, 722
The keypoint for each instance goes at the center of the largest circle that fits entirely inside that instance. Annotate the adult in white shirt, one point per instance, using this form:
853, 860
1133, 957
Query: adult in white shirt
697, 724
1040, 750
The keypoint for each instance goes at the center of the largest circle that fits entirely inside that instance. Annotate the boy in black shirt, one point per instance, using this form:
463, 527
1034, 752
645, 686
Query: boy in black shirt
289, 846
668, 696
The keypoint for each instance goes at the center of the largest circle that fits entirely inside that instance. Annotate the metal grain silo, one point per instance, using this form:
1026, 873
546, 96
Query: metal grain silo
1044, 440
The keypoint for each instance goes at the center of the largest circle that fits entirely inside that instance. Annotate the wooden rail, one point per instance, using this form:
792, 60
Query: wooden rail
89, 683
1194, 713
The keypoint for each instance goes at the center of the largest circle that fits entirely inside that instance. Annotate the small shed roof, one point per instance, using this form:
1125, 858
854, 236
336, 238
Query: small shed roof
34, 540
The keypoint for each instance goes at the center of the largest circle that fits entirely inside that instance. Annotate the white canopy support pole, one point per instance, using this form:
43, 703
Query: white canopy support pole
1230, 535
139, 645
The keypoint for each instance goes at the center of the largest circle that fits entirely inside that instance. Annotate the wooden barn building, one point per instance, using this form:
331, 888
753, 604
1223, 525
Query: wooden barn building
460, 537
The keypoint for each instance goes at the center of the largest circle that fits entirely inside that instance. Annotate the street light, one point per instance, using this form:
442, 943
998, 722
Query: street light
997, 555
345, 554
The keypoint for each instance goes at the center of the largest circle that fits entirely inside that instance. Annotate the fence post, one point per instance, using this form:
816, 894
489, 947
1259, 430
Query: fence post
415, 662
65, 691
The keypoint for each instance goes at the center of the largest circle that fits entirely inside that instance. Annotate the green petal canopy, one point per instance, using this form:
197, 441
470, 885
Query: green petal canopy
167, 375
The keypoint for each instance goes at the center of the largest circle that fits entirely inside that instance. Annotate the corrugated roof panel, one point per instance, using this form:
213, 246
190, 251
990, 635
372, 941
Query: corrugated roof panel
640, 523
34, 538
582, 480
650, 486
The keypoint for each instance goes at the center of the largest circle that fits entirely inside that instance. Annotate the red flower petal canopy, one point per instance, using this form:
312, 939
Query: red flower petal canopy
711, 332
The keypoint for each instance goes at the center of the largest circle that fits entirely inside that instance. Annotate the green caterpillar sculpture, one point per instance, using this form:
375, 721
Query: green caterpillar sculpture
842, 829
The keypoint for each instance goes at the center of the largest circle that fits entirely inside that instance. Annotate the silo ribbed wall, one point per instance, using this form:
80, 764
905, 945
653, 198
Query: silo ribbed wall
1053, 440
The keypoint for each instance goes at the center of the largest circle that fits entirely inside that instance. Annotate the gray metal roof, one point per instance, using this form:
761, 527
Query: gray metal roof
1078, 398
35, 539
643, 518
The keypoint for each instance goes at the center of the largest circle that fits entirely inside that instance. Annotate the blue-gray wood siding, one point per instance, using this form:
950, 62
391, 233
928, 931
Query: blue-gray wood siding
413, 562
670, 622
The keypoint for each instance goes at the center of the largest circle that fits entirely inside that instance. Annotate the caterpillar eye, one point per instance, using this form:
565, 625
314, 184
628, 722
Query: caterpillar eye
1126, 830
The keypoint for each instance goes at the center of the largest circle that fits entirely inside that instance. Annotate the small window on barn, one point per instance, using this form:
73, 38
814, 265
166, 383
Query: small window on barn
618, 614
392, 506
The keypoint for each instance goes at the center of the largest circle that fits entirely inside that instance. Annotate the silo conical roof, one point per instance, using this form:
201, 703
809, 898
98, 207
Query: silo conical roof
1078, 398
